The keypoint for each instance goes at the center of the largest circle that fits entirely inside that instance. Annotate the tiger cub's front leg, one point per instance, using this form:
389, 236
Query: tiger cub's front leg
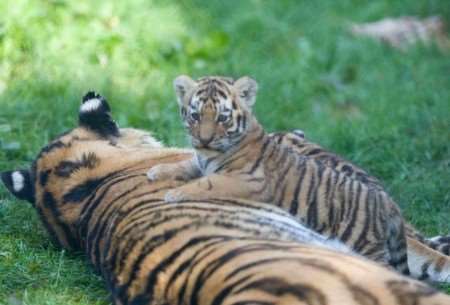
212, 186
183, 170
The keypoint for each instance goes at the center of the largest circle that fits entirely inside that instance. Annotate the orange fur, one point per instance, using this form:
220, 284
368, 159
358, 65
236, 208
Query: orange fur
220, 251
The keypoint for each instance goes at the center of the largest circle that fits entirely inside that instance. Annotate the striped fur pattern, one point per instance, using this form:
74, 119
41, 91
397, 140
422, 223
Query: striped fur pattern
296, 141
235, 157
92, 194
440, 243
424, 263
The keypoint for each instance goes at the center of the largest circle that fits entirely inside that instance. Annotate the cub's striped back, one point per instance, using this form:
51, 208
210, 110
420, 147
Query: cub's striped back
424, 262
297, 142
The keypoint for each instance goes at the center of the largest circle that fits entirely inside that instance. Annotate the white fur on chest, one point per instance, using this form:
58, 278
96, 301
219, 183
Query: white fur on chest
207, 163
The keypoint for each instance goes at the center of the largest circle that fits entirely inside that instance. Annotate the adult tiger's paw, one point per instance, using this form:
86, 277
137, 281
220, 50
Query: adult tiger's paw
174, 196
159, 172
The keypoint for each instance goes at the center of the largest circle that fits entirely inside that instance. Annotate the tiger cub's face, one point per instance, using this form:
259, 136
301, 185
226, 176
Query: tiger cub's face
215, 110
69, 168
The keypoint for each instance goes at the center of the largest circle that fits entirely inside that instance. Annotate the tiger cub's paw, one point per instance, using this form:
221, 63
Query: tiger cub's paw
174, 196
160, 172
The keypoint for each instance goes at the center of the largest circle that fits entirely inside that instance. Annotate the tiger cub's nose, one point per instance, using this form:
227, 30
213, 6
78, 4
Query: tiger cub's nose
205, 142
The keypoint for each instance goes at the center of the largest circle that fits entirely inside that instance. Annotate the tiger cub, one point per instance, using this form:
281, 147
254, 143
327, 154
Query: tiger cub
236, 158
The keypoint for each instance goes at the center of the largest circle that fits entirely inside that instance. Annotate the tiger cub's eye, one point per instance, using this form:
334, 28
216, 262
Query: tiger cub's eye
195, 116
222, 118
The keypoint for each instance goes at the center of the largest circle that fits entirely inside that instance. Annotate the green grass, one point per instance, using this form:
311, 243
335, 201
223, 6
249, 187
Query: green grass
386, 110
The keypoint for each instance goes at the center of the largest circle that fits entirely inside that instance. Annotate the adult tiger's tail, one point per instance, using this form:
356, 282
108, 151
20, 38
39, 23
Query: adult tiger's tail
440, 243
428, 258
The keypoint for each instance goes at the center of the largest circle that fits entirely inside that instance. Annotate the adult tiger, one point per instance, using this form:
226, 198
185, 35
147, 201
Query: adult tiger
236, 157
91, 192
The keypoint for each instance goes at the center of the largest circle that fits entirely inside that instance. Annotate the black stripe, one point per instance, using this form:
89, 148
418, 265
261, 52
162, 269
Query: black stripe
349, 229
82, 191
219, 298
244, 204
444, 239
445, 249
238, 122
244, 121
377, 231
314, 152
182, 290
66, 168
341, 195
279, 287
313, 209
255, 264
253, 302
363, 296
282, 157
311, 199
229, 161
186, 267
302, 167
280, 184
282, 194
222, 94
50, 229
349, 194
329, 200
361, 242
43, 177
52, 205
260, 157
49, 148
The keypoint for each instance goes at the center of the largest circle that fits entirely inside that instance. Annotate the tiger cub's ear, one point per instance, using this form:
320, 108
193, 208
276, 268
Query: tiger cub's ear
182, 85
19, 183
246, 88
95, 114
